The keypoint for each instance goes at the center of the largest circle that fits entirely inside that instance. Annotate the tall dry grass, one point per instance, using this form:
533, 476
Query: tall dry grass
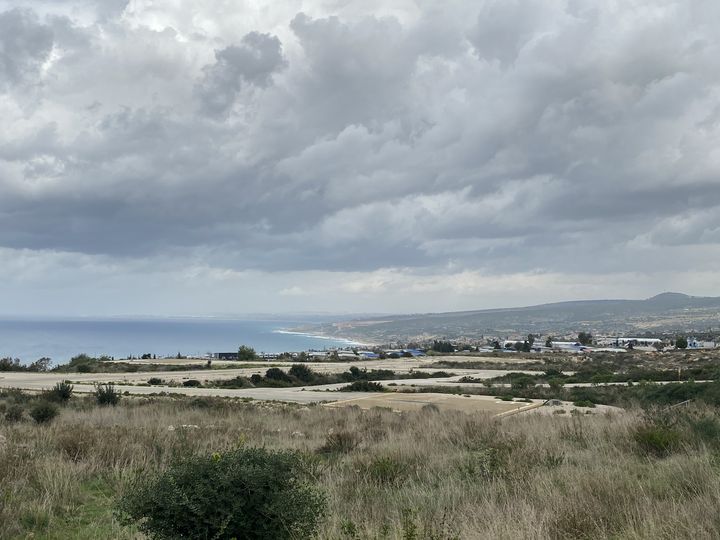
388, 475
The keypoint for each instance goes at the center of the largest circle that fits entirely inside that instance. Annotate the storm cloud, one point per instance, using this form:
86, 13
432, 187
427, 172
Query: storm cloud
323, 156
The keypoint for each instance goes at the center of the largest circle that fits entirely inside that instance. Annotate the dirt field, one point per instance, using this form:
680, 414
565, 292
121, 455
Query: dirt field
415, 402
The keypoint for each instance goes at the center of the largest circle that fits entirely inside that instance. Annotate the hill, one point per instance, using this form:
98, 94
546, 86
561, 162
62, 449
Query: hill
666, 312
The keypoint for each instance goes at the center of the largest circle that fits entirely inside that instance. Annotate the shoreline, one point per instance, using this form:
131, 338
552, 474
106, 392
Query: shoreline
348, 341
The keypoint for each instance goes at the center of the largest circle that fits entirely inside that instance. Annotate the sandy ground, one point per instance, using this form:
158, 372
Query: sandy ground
412, 402
130, 382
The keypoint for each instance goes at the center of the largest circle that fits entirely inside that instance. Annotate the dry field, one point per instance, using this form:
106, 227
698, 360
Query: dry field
412, 475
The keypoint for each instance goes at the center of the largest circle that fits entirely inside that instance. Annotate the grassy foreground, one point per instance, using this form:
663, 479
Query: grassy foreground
426, 475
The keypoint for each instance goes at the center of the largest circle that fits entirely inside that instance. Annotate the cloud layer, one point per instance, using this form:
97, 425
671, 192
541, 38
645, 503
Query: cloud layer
494, 149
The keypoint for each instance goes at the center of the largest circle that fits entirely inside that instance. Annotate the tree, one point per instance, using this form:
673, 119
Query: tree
681, 342
247, 354
585, 338
442, 346
530, 339
548, 342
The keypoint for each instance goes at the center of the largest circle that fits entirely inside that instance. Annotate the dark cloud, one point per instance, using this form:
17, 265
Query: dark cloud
252, 62
505, 136
25, 44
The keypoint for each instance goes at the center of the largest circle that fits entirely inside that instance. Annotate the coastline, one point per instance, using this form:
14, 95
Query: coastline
348, 341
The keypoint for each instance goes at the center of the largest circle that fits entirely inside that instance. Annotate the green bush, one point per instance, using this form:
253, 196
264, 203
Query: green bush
302, 373
14, 413
154, 381
44, 412
106, 395
363, 386
192, 383
584, 403
657, 440
250, 493
60, 393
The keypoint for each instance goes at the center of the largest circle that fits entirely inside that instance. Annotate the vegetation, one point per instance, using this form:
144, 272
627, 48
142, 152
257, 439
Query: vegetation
44, 411
250, 493
247, 354
426, 475
363, 386
302, 375
442, 346
106, 394
13, 364
681, 342
60, 393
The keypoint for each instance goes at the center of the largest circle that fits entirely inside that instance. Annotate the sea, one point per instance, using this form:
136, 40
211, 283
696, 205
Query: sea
61, 339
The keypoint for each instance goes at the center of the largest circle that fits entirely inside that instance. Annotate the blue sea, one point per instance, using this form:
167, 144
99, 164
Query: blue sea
61, 339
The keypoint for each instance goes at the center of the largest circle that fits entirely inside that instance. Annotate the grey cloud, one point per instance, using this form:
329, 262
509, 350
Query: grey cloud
516, 129
25, 43
253, 62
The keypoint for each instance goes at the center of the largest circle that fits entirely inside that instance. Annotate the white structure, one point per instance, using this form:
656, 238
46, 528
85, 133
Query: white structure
625, 341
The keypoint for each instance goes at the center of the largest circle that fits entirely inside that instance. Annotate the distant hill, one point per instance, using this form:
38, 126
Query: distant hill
666, 312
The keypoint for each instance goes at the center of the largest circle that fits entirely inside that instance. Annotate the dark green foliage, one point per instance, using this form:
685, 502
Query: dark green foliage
277, 374
363, 386
14, 413
250, 493
106, 394
585, 338
681, 342
192, 383
153, 381
584, 403
43, 412
302, 373
246, 354
442, 346
60, 393
656, 439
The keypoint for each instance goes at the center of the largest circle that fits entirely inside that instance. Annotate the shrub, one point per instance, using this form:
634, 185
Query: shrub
385, 470
584, 403
277, 374
44, 412
657, 440
302, 373
192, 383
363, 386
249, 493
106, 394
60, 393
14, 413
154, 381
340, 442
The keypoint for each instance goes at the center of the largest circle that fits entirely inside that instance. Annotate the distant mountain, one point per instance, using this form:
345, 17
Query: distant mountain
666, 312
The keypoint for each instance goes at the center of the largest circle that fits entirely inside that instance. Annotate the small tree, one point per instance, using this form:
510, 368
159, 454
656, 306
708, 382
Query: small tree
250, 493
681, 342
548, 342
246, 354
585, 338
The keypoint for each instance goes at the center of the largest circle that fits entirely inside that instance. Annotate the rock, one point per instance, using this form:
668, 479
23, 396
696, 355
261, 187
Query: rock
297, 435
171, 428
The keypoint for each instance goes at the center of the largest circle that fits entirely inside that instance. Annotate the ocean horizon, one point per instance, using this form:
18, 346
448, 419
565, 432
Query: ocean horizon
62, 338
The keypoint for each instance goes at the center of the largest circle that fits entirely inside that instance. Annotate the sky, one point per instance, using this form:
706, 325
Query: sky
217, 157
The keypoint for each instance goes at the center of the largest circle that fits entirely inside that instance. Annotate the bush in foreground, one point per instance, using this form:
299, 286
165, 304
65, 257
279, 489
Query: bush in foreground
44, 412
106, 394
14, 413
250, 493
60, 393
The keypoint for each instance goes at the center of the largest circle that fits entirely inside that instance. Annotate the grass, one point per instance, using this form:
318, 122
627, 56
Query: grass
425, 475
